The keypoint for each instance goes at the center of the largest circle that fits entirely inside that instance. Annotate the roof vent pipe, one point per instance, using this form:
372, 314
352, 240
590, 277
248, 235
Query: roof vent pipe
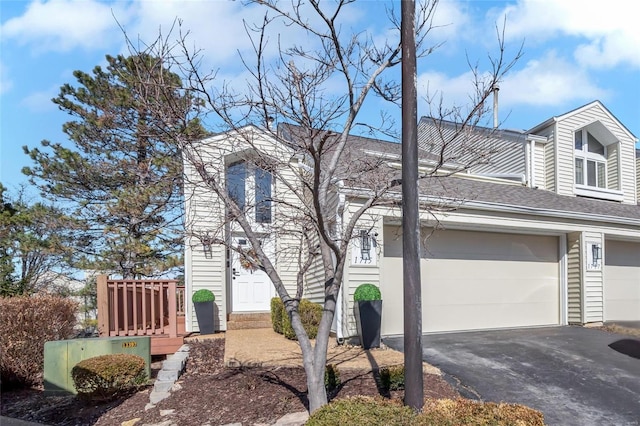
495, 90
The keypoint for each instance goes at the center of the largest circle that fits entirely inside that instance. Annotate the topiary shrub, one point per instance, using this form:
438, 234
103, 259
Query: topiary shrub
310, 315
26, 323
277, 314
392, 377
362, 410
203, 295
106, 377
367, 292
467, 412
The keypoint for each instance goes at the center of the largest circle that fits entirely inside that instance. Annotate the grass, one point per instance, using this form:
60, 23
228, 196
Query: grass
615, 328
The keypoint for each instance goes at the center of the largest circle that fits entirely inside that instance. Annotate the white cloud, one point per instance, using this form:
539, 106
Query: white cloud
41, 101
63, 25
450, 20
452, 91
5, 81
605, 35
546, 82
216, 28
549, 81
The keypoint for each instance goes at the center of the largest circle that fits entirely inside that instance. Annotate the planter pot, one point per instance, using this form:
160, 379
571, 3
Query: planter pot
368, 321
205, 316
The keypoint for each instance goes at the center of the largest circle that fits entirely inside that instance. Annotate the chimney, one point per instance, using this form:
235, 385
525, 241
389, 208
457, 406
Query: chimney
495, 90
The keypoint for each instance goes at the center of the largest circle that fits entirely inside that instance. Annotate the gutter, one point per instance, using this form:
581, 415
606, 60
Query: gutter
507, 208
488, 206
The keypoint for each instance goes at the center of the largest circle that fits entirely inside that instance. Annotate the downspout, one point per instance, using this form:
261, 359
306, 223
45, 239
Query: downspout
527, 162
339, 308
532, 165
495, 90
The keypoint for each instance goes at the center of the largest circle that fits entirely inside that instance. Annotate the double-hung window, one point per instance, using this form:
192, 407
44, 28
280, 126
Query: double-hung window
250, 188
590, 160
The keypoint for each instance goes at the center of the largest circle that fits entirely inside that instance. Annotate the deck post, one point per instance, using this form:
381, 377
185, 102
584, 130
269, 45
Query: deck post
102, 293
173, 309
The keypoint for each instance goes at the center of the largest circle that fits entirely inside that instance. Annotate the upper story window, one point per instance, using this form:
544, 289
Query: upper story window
590, 160
250, 187
236, 183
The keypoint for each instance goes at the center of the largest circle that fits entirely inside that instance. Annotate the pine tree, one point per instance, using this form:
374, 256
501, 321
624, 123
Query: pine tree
120, 175
34, 245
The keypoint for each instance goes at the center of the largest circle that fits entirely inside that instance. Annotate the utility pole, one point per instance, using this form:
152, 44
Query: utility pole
414, 392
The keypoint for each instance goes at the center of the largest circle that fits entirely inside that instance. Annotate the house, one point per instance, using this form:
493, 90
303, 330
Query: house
543, 231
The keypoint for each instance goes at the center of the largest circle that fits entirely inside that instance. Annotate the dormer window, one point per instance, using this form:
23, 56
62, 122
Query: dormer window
590, 160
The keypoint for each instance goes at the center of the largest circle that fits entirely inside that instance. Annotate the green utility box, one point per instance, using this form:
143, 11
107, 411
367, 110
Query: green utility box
61, 356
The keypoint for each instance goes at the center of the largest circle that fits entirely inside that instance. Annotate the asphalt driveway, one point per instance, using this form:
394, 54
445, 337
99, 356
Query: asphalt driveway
574, 375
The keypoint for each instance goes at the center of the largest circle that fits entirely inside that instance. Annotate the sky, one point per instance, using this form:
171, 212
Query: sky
574, 52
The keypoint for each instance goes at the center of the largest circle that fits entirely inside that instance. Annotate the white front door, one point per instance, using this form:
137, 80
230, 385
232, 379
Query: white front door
251, 288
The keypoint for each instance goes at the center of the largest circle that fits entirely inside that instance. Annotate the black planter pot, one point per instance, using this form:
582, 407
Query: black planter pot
204, 314
369, 320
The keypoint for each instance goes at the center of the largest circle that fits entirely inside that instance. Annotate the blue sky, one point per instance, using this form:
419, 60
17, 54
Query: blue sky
574, 52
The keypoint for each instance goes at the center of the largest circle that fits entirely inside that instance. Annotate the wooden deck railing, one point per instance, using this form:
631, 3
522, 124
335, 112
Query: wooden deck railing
140, 307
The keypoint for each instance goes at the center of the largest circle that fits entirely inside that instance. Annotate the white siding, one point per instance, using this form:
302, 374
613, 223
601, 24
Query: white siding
482, 150
627, 164
574, 279
593, 295
613, 175
638, 178
360, 274
314, 281
626, 157
315, 278
565, 153
549, 176
507, 158
287, 229
203, 212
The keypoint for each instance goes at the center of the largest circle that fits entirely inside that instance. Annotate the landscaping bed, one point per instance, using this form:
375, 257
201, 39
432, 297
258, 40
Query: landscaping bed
209, 392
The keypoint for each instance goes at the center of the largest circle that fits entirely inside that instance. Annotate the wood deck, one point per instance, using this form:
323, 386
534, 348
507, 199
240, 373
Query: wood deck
152, 308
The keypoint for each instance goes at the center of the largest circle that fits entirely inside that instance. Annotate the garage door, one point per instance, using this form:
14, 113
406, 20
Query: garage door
476, 280
621, 281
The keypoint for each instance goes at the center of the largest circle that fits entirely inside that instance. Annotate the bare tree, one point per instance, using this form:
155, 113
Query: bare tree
315, 93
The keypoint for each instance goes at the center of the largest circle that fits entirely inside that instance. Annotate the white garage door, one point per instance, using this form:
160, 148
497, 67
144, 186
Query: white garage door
621, 281
476, 280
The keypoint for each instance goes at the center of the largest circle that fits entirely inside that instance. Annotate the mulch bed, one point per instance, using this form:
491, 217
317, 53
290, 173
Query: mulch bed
210, 393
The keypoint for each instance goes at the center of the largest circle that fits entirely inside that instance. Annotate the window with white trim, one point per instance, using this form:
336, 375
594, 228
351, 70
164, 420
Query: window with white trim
590, 160
250, 187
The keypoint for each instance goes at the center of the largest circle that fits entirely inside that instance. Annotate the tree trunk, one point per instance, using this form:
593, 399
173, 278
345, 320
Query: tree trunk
316, 391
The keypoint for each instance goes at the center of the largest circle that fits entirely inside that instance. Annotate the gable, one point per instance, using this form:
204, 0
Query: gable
618, 157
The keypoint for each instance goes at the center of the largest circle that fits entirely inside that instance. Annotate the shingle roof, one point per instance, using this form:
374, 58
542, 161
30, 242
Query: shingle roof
464, 189
521, 196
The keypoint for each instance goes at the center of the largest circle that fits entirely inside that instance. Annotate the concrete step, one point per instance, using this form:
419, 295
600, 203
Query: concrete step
248, 320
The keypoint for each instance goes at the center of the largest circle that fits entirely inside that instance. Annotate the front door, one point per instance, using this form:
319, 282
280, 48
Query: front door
251, 288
